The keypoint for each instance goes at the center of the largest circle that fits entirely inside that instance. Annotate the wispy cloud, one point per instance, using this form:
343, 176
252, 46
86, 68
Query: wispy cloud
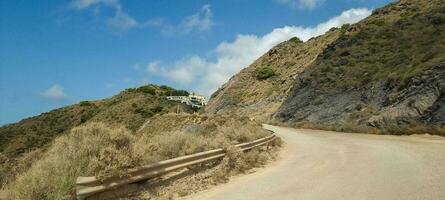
184, 71
200, 21
206, 75
301, 4
83, 4
54, 93
121, 22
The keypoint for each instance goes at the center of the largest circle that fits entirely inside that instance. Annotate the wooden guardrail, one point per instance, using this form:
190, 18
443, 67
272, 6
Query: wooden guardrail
87, 187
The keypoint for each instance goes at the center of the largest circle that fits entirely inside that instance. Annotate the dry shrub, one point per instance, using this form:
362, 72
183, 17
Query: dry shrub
3, 170
255, 158
414, 128
92, 149
229, 165
169, 145
97, 150
240, 132
236, 161
10, 167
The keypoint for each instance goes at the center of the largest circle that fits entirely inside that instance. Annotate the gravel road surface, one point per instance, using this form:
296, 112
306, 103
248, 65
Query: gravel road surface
329, 165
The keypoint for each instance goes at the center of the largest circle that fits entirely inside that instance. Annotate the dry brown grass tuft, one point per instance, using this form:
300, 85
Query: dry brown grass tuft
97, 150
409, 128
92, 149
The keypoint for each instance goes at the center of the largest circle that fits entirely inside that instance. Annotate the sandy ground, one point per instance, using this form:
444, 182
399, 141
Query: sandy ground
329, 165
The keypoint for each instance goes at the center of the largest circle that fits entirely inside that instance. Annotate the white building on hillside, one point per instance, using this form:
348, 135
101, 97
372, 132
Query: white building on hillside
193, 100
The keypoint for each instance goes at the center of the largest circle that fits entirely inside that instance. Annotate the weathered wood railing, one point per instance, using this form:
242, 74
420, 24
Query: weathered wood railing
90, 186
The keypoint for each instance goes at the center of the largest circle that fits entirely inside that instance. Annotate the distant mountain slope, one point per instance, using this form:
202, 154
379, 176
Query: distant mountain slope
258, 90
130, 108
386, 72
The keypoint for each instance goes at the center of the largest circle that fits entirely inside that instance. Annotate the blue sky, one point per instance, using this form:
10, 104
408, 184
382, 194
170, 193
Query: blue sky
55, 53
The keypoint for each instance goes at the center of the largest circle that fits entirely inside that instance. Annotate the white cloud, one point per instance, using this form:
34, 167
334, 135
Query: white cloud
184, 71
206, 75
54, 93
301, 4
121, 22
83, 4
201, 21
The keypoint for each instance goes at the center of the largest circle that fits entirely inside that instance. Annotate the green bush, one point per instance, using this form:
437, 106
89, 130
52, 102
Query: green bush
438, 19
180, 93
144, 112
131, 90
169, 91
86, 115
264, 73
165, 87
296, 40
148, 89
345, 27
157, 109
86, 103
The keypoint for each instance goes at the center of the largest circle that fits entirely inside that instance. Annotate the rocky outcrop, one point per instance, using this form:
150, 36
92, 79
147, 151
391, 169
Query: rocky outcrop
386, 71
376, 105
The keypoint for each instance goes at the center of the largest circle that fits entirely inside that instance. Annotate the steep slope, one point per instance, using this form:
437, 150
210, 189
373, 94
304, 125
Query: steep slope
386, 73
258, 90
130, 108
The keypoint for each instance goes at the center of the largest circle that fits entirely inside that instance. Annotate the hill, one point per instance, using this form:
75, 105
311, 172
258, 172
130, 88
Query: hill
258, 90
384, 74
130, 108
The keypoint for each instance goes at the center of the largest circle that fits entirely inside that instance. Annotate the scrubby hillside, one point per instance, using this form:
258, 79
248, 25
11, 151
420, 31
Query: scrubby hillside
96, 149
258, 90
385, 73
130, 108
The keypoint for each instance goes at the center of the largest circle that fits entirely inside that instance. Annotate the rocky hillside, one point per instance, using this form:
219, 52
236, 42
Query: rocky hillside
259, 90
385, 73
130, 108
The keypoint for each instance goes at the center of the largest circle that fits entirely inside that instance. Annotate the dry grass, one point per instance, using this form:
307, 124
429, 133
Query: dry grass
92, 149
97, 150
348, 127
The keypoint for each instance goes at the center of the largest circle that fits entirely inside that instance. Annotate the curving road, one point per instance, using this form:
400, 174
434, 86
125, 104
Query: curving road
327, 165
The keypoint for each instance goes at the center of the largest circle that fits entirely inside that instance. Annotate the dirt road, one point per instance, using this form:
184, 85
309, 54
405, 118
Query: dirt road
329, 165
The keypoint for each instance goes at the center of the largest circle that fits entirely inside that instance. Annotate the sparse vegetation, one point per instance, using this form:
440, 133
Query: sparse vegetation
130, 108
148, 89
264, 73
169, 91
258, 90
403, 46
93, 149
388, 61
295, 40
349, 127
85, 103
96, 149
